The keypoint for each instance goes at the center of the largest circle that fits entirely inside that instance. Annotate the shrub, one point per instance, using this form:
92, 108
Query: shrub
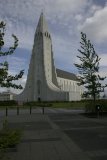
8, 138
8, 103
89, 107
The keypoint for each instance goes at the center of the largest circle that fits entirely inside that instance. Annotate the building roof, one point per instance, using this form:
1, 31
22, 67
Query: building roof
66, 75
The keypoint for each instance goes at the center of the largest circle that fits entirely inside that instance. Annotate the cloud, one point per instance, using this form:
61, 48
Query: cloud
78, 17
65, 51
25, 35
96, 25
21, 81
16, 64
22, 16
103, 61
68, 6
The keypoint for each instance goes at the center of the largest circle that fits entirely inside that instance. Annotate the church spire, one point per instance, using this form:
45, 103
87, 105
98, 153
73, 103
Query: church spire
42, 24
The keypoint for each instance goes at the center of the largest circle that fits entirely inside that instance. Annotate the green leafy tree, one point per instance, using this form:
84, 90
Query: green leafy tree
89, 69
7, 80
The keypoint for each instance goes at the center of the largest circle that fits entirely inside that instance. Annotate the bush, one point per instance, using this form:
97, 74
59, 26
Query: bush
8, 103
91, 107
38, 104
9, 138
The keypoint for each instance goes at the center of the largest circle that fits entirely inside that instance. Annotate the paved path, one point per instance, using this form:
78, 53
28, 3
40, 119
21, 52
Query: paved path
60, 136
43, 140
90, 134
39, 110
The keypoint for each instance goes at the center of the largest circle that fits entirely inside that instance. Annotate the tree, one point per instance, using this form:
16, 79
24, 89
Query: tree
89, 69
7, 80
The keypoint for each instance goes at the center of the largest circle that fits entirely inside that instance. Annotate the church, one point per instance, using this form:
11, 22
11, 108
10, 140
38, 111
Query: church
44, 81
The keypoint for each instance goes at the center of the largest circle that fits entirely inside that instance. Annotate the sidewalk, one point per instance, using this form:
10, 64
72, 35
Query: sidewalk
43, 140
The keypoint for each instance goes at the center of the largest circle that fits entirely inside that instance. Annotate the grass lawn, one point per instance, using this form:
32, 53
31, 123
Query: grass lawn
67, 105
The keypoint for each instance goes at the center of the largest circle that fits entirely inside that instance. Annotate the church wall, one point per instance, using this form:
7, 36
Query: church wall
70, 86
47, 58
42, 81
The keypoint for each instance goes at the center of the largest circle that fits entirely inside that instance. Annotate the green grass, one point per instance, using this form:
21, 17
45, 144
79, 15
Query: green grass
9, 138
67, 105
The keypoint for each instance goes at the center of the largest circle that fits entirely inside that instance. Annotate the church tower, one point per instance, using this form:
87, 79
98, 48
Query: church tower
42, 82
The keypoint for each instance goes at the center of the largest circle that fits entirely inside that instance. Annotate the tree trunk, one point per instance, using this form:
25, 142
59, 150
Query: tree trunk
94, 99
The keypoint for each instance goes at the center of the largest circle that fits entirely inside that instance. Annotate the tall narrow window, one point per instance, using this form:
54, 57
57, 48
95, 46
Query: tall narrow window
39, 86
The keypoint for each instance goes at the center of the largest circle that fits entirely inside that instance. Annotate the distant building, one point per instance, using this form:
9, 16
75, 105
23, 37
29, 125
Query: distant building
6, 96
44, 81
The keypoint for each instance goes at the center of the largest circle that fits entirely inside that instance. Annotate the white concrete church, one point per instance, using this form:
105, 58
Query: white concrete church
44, 81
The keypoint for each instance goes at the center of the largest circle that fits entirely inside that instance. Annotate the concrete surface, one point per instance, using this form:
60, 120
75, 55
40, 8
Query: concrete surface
60, 136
